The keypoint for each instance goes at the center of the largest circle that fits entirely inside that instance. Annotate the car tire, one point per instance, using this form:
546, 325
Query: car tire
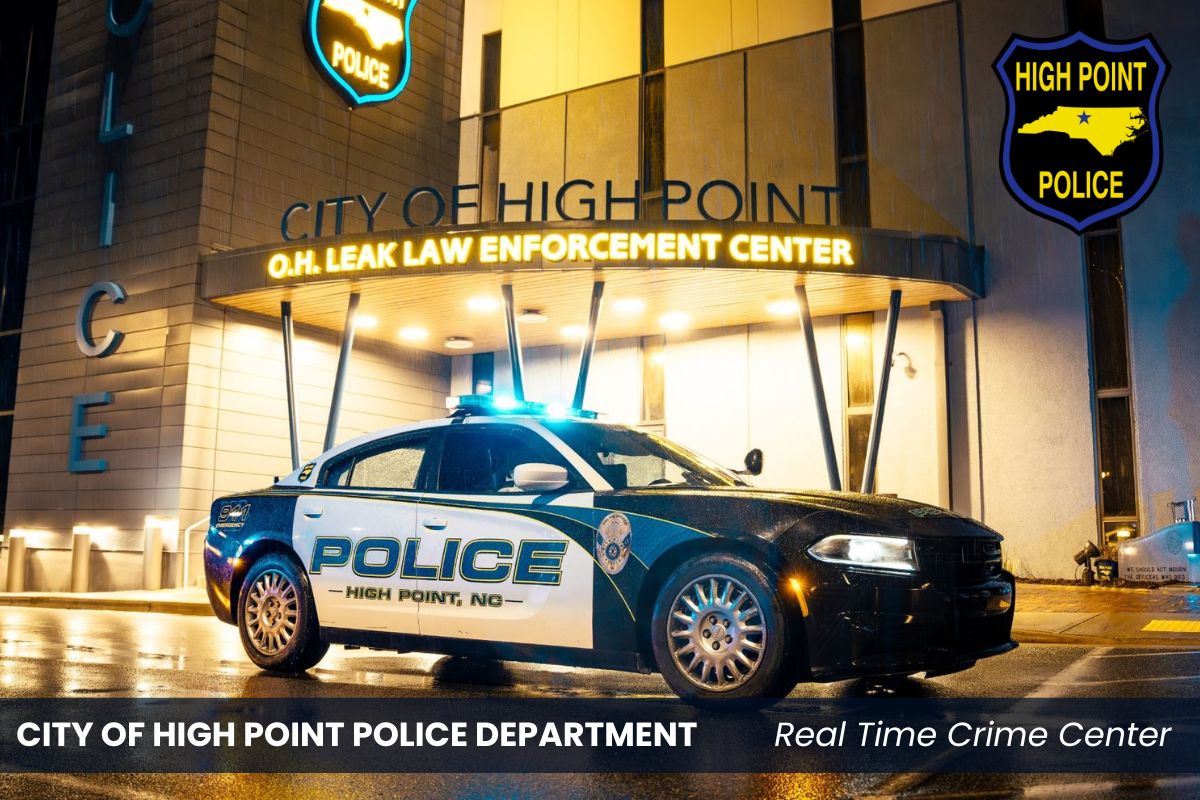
717, 614
277, 617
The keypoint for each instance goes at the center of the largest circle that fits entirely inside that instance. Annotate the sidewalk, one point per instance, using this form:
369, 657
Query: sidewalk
193, 602
1105, 615
1046, 614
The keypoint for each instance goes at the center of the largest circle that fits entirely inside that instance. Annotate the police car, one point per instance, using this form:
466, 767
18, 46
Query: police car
529, 533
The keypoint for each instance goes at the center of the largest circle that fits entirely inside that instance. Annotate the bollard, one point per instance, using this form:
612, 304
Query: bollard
16, 561
152, 558
81, 560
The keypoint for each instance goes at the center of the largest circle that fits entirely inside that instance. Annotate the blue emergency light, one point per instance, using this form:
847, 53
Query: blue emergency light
497, 405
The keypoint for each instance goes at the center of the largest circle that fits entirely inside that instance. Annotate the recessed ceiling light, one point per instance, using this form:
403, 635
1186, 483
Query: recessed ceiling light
782, 308
459, 343
532, 316
365, 321
483, 303
413, 334
629, 305
674, 320
574, 332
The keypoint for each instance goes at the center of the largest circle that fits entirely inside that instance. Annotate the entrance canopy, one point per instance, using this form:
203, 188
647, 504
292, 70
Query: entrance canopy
444, 289
436, 285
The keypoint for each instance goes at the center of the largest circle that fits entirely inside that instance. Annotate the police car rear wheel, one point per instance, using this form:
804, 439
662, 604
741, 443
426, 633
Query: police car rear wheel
719, 632
277, 618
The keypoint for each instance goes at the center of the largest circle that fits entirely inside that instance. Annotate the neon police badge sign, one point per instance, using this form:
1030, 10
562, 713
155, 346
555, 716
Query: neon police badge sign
361, 46
1082, 142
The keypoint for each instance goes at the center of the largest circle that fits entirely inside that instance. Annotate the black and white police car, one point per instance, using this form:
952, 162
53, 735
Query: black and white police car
533, 534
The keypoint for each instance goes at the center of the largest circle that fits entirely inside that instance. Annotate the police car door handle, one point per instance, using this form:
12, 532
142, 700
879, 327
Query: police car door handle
434, 523
313, 513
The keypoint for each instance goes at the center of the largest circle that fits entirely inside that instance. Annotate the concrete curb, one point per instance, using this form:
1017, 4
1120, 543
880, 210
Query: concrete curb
1051, 637
183, 607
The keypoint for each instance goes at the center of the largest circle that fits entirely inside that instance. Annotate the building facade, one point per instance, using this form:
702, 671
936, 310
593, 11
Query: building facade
1055, 397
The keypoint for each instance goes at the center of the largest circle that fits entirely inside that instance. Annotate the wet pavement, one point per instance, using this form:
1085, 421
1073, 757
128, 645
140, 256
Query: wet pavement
76, 653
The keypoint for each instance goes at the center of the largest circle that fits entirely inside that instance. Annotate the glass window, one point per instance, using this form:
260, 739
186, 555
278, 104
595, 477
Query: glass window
1106, 295
653, 378
629, 458
489, 168
652, 35
483, 372
858, 433
847, 12
858, 357
394, 464
1117, 482
1086, 16
480, 459
10, 353
6, 429
491, 72
653, 123
851, 86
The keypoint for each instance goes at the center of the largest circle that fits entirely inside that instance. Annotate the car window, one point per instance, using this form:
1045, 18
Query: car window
393, 464
480, 459
631, 458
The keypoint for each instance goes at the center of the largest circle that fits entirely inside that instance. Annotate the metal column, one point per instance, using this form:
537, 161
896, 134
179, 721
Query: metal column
881, 395
514, 344
339, 382
285, 317
589, 344
814, 366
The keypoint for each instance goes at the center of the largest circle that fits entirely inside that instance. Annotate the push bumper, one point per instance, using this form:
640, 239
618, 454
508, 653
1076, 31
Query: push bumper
871, 625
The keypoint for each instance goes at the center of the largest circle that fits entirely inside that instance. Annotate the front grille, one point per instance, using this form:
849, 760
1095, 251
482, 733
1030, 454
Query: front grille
960, 560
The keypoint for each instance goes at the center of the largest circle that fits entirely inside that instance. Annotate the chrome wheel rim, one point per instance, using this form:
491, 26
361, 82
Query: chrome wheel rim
716, 633
272, 609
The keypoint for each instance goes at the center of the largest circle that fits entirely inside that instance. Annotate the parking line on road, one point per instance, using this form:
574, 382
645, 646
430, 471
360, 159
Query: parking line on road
1172, 626
1154, 653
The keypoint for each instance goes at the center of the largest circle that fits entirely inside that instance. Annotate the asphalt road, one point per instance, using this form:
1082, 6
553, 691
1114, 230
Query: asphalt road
60, 653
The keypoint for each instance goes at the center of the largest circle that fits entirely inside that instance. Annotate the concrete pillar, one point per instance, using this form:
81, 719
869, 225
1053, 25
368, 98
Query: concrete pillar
152, 551
81, 560
16, 562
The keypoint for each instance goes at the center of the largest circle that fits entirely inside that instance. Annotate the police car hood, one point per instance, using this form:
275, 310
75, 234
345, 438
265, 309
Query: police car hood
767, 514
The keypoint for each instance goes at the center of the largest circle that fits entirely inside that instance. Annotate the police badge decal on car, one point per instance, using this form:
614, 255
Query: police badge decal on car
614, 537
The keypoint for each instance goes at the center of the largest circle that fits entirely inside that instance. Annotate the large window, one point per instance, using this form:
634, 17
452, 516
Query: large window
1108, 315
26, 36
1110, 372
850, 90
489, 150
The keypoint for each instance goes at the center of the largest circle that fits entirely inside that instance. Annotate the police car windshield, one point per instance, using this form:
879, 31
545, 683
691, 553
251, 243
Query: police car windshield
628, 458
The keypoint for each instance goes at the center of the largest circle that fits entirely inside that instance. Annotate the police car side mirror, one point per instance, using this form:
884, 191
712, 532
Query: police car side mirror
540, 477
754, 462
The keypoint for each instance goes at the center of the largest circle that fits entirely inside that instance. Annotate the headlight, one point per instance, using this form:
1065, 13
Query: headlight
859, 550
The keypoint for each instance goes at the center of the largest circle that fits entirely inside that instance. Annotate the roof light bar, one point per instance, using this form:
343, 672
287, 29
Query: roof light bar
487, 404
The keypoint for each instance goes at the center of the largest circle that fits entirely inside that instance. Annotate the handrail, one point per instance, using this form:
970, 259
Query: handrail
187, 533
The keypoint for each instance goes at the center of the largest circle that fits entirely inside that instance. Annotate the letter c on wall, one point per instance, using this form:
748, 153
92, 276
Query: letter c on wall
83, 320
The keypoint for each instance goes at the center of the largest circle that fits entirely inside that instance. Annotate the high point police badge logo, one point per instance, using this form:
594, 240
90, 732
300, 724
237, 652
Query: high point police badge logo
1082, 141
614, 539
361, 46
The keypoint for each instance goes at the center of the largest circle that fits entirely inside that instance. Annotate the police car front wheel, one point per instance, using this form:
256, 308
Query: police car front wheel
277, 618
719, 632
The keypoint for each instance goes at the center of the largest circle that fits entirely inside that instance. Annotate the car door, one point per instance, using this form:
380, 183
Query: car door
497, 563
351, 534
